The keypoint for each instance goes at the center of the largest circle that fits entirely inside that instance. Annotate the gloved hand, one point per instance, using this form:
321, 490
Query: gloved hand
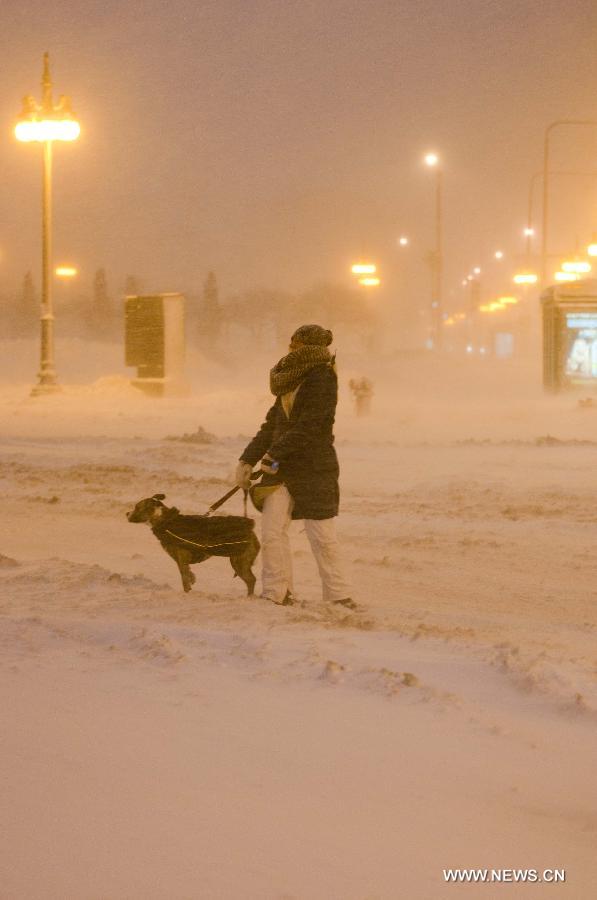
269, 465
242, 476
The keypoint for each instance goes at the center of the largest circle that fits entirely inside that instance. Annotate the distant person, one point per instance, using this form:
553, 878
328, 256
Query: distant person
362, 392
296, 447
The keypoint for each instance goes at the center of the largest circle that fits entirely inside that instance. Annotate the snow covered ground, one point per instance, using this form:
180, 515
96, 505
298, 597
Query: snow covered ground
157, 744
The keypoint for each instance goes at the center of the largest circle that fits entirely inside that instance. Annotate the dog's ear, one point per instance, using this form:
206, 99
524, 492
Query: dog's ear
159, 497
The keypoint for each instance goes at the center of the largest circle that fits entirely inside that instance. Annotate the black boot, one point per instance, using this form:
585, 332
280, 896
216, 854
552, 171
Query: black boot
348, 602
287, 601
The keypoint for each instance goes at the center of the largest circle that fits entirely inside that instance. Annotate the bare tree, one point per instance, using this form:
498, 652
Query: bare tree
25, 311
102, 311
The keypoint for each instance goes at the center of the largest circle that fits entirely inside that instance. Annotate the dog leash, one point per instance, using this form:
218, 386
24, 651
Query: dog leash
227, 496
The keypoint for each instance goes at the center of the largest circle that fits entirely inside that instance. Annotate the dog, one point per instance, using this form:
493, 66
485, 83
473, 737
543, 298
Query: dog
193, 539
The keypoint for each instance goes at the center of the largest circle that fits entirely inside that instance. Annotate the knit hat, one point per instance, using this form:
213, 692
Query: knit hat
313, 335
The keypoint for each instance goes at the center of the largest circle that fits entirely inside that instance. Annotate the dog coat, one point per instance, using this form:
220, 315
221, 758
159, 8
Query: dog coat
202, 535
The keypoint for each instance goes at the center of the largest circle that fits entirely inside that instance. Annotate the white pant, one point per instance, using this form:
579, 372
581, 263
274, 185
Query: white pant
276, 556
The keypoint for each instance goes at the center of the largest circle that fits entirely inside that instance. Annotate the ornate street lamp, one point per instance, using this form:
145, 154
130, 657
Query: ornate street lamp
45, 123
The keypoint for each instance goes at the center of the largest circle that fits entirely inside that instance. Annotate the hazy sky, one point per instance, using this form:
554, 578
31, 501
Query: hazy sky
275, 141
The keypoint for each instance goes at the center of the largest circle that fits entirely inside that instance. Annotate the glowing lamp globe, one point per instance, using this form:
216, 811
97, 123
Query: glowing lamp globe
47, 130
576, 266
566, 276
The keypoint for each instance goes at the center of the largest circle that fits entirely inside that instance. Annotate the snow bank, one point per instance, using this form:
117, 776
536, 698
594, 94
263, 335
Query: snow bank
161, 744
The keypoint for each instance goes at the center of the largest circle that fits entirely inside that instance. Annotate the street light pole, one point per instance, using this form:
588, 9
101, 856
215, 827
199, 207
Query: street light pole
439, 260
545, 205
47, 370
432, 160
529, 231
46, 123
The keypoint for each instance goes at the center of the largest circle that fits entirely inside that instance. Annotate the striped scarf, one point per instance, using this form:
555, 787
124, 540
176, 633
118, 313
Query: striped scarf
288, 373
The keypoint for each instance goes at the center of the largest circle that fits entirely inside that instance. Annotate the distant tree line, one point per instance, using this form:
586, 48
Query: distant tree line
89, 312
264, 316
258, 317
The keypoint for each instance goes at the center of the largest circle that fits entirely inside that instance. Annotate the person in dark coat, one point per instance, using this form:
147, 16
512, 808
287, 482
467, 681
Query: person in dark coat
300, 468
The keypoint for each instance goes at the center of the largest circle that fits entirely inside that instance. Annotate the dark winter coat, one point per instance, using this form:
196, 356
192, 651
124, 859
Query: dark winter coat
304, 446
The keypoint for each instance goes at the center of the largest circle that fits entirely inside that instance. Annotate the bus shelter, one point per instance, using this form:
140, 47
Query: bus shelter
570, 335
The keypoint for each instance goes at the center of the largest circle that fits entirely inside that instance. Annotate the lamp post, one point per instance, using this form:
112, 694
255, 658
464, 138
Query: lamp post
45, 123
529, 230
65, 276
545, 210
367, 277
433, 162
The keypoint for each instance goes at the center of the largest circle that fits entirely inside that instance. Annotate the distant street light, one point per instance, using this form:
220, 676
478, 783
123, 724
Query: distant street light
65, 271
566, 276
403, 241
477, 270
363, 269
370, 281
45, 123
546, 173
576, 266
529, 231
498, 254
592, 248
525, 278
432, 160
